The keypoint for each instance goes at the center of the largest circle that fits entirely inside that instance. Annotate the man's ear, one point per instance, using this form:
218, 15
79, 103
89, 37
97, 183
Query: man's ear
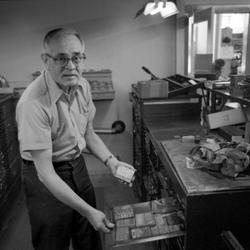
44, 58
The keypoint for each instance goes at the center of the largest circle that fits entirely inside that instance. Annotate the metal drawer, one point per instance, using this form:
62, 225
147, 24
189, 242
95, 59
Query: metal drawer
146, 222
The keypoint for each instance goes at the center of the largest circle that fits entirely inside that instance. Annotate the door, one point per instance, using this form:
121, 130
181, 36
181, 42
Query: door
201, 41
232, 40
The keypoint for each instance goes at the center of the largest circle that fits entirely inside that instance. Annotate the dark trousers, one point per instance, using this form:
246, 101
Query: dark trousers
54, 224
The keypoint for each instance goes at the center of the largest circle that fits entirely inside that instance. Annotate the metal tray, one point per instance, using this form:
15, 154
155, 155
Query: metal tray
145, 222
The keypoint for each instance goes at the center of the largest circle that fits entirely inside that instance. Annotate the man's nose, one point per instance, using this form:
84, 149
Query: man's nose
70, 65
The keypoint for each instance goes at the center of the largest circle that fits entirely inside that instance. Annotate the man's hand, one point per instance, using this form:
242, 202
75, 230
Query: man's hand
99, 220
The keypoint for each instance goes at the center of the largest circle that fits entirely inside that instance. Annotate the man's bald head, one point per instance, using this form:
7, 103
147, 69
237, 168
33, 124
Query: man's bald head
59, 33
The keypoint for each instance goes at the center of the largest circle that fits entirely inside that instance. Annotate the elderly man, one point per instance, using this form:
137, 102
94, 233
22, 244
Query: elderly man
55, 123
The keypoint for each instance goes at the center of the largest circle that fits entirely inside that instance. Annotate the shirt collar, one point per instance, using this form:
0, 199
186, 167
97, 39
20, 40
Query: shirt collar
54, 90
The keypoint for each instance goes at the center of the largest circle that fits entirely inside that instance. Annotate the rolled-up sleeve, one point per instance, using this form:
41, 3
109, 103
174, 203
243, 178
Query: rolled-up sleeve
34, 130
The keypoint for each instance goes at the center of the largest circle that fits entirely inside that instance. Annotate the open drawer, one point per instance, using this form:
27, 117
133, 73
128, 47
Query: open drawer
145, 222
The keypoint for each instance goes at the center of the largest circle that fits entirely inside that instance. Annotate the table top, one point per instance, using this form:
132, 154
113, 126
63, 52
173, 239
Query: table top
195, 181
199, 180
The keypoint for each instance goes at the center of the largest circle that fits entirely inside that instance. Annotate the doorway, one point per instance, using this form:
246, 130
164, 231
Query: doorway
218, 33
231, 41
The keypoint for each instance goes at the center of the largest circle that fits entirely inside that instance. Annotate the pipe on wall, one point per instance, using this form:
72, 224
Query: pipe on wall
116, 128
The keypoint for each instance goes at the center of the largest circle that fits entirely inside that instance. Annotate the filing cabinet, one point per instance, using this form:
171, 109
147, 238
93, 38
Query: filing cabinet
185, 107
10, 161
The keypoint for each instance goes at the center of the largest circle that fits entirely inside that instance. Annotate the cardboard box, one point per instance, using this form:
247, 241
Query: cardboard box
225, 118
153, 88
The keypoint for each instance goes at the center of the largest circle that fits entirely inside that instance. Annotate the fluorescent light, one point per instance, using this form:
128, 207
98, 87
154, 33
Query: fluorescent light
149, 7
169, 10
158, 9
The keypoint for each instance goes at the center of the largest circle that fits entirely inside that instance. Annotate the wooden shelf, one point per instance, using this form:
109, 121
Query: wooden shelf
103, 96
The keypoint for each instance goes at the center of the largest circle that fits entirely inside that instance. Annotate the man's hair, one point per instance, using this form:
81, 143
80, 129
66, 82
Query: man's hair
59, 33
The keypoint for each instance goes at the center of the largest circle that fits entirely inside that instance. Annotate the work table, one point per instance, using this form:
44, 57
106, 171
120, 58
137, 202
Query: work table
194, 180
212, 202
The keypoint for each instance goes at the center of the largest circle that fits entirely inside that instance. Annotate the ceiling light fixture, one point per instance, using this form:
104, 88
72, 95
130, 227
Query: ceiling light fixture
157, 9
169, 10
148, 8
164, 7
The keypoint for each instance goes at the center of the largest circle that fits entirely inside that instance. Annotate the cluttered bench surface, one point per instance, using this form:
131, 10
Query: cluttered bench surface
167, 139
211, 201
167, 155
199, 180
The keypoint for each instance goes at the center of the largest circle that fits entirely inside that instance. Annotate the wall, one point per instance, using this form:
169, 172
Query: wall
248, 50
114, 40
215, 2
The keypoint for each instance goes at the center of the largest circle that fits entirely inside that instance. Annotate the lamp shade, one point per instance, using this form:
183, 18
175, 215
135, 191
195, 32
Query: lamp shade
164, 7
158, 8
149, 7
169, 9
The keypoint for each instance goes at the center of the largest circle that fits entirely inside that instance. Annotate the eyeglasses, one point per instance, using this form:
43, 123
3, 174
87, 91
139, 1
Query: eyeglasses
63, 60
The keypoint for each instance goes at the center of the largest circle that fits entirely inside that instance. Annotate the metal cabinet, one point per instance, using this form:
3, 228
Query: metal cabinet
211, 205
10, 161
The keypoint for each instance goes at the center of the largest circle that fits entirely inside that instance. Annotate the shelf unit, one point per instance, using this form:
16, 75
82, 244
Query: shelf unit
10, 160
185, 106
101, 84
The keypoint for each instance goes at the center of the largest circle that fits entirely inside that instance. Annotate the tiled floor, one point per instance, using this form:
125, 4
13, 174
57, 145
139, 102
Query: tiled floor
109, 193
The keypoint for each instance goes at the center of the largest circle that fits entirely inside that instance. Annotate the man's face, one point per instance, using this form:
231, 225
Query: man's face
68, 46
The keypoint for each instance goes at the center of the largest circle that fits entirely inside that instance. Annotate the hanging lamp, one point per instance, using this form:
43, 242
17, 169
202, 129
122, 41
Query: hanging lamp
164, 7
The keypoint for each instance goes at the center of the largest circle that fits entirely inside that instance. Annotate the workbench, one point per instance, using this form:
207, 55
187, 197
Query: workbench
211, 203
